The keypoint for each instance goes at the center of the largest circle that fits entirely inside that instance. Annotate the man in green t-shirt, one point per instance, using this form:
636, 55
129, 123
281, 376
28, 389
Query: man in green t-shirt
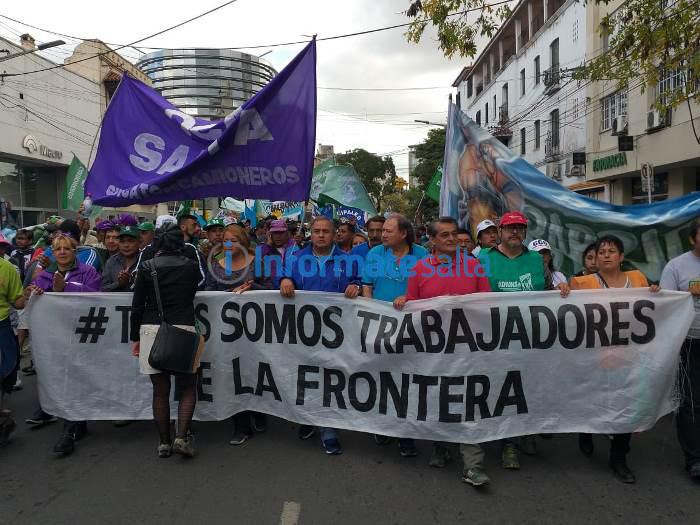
511, 267
10, 295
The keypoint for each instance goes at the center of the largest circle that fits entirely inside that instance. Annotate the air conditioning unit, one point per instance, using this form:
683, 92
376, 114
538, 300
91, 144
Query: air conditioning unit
619, 125
554, 171
658, 119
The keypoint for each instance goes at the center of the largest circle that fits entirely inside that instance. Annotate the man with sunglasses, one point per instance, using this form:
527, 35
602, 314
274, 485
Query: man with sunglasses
514, 268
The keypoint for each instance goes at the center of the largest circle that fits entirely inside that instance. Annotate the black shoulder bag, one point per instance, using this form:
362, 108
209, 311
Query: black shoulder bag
174, 350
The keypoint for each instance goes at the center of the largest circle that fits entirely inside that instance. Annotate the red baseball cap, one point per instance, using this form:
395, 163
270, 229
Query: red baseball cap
513, 217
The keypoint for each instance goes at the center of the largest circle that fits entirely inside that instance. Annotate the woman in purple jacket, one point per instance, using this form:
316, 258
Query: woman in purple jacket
67, 274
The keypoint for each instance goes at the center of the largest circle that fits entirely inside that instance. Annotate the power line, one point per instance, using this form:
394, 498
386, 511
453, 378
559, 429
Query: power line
334, 37
225, 4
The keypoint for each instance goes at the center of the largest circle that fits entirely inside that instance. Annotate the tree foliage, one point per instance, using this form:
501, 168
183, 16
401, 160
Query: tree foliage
376, 173
429, 155
456, 31
645, 38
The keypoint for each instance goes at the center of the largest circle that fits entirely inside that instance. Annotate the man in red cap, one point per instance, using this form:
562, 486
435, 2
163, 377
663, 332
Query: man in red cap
514, 268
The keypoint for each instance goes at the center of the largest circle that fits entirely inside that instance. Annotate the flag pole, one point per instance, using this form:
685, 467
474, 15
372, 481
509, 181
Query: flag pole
415, 217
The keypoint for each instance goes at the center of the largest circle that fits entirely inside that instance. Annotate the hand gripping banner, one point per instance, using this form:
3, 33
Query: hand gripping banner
151, 152
460, 369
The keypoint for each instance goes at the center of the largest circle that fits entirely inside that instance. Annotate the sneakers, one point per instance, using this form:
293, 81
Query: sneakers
259, 422
18, 384
65, 446
184, 447
40, 418
476, 477
407, 448
622, 471
440, 457
239, 438
509, 458
381, 440
306, 431
332, 447
119, 423
165, 450
528, 445
585, 443
29, 370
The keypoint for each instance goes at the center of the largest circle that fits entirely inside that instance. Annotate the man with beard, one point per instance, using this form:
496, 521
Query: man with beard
514, 268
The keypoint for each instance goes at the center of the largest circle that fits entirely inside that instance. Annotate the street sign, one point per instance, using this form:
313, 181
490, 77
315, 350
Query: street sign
647, 172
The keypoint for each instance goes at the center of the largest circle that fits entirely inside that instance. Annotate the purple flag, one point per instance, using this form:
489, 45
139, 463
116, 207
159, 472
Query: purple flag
150, 151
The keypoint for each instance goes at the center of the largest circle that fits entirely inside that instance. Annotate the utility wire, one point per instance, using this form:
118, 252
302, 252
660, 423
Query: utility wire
221, 6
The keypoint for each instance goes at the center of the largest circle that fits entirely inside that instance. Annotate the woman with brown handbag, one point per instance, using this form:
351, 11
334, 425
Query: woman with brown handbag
177, 280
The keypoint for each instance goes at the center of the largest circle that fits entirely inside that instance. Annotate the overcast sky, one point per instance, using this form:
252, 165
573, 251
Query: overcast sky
379, 60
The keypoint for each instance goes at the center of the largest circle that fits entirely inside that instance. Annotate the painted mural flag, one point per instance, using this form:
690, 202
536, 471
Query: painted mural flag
483, 179
340, 185
150, 151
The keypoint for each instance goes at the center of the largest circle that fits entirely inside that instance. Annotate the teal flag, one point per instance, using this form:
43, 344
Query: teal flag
334, 184
74, 193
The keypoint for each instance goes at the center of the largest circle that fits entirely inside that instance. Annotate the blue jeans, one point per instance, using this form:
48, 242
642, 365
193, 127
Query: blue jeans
328, 433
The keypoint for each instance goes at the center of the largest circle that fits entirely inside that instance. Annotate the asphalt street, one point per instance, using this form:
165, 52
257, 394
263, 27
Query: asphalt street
114, 476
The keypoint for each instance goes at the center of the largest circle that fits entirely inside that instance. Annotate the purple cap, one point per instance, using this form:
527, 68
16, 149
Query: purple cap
278, 226
3, 239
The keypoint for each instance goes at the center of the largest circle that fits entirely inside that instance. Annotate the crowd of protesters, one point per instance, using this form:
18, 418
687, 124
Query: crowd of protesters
122, 255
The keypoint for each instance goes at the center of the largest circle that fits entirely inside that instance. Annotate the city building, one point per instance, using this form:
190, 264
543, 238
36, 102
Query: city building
662, 139
45, 118
94, 60
323, 153
520, 88
206, 83
412, 163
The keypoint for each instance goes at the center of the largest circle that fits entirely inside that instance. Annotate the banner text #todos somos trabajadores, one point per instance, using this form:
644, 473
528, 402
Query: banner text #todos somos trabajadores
462, 368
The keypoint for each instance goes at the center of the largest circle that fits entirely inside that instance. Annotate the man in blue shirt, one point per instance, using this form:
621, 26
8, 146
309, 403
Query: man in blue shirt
336, 275
385, 277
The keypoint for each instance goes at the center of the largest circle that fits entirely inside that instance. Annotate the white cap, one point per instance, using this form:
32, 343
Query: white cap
538, 245
484, 225
162, 219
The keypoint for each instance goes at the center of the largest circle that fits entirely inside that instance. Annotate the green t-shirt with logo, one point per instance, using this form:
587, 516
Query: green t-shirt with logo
10, 287
524, 273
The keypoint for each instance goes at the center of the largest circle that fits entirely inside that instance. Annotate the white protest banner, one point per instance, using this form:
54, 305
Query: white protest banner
461, 368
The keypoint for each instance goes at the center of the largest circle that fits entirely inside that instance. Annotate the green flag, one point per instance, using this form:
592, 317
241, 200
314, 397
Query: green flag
333, 184
433, 190
73, 193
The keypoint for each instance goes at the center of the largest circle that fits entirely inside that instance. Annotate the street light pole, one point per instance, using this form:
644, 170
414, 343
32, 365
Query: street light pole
40, 47
430, 123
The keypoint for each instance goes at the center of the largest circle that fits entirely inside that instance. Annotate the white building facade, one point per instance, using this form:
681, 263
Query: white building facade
521, 89
45, 118
664, 140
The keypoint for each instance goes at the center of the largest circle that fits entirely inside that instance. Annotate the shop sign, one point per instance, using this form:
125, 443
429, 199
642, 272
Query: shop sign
612, 161
33, 146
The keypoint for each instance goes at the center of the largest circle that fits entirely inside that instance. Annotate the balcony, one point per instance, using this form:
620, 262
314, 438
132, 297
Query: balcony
552, 80
503, 114
551, 147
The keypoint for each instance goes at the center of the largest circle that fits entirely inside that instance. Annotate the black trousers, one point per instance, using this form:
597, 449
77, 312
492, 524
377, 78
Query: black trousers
619, 446
688, 417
